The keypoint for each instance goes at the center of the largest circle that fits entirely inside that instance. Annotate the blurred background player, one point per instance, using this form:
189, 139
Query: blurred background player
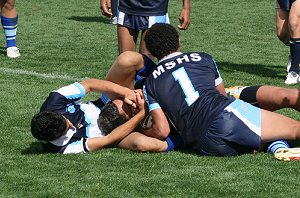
137, 15
288, 31
9, 21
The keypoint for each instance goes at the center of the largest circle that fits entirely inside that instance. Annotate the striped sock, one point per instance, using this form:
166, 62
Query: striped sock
272, 148
10, 30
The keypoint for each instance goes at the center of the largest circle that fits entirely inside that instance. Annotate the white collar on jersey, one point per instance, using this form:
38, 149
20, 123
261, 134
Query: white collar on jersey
170, 56
63, 140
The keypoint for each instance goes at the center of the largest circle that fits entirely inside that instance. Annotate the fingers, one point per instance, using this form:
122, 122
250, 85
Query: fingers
184, 19
183, 24
106, 8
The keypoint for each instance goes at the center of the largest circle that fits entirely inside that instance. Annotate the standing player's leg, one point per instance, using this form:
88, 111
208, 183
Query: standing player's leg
9, 21
127, 39
294, 28
282, 17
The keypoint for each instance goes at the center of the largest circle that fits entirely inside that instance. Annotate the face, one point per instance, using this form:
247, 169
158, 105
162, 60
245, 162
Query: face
125, 109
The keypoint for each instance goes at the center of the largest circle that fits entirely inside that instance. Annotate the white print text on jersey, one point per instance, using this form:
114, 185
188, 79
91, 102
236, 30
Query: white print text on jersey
169, 65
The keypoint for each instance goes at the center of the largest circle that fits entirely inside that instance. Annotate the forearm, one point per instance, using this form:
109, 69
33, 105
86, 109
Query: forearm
139, 142
186, 4
96, 85
116, 135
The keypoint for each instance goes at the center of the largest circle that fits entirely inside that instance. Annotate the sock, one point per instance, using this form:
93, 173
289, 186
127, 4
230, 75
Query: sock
272, 148
174, 141
295, 54
10, 30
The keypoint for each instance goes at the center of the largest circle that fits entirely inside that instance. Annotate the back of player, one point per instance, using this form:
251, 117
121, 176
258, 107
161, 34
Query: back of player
184, 86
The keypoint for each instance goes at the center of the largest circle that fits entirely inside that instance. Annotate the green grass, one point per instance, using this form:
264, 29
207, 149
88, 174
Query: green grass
65, 41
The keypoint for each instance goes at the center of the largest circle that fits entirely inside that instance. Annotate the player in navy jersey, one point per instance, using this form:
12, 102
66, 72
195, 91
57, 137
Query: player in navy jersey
128, 65
288, 31
137, 16
185, 87
9, 21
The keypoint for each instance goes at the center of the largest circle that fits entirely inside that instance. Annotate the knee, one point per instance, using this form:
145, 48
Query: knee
294, 25
8, 5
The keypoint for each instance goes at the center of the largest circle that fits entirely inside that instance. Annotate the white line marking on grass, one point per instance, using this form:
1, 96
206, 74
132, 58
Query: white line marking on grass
42, 75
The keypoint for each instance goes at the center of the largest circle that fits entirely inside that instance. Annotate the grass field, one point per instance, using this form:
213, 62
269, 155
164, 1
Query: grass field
65, 41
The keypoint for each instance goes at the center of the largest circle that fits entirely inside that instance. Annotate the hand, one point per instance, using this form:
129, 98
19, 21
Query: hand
130, 97
184, 19
140, 102
105, 6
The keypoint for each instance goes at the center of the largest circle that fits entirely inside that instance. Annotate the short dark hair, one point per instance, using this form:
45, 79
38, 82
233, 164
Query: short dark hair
48, 126
110, 118
161, 40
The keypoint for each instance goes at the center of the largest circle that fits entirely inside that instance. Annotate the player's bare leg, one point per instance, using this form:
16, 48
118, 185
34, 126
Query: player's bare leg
273, 98
275, 126
127, 39
282, 28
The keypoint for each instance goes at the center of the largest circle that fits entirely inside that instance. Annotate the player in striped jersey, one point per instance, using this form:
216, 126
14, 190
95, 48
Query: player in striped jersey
65, 125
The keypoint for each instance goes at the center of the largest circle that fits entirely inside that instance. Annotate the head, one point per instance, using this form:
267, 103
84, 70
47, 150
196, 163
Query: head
161, 40
48, 126
114, 114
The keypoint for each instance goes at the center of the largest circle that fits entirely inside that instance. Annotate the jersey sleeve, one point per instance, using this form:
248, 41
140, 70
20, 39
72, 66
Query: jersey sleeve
218, 78
152, 104
79, 146
73, 92
62, 98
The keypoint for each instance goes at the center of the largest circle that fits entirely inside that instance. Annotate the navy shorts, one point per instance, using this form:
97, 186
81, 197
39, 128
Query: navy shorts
140, 22
284, 4
236, 131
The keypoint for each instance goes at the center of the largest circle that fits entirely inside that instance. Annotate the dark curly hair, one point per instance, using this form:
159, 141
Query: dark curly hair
48, 126
161, 40
110, 118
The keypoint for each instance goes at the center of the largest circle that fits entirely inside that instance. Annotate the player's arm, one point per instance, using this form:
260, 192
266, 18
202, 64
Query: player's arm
120, 132
105, 7
184, 17
137, 141
221, 88
96, 85
160, 128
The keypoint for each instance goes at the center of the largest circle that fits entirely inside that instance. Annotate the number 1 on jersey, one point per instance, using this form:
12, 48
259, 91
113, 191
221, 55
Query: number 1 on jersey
186, 85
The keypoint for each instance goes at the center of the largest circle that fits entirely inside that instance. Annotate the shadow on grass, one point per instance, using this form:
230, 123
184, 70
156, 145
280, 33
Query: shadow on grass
34, 148
3, 51
90, 19
255, 69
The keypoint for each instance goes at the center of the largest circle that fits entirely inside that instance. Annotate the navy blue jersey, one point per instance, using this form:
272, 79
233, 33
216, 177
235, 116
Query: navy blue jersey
183, 85
83, 116
144, 7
